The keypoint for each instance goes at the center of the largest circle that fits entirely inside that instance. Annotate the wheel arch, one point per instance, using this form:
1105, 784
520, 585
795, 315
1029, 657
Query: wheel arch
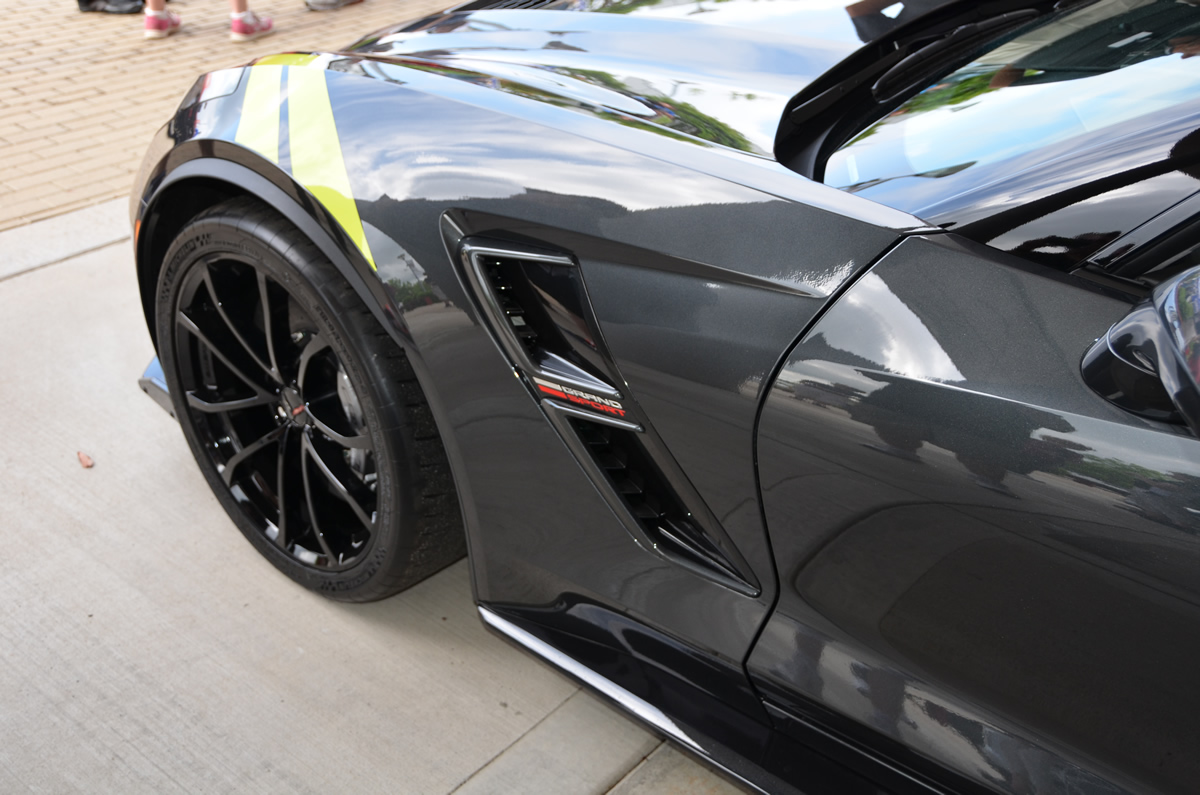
203, 182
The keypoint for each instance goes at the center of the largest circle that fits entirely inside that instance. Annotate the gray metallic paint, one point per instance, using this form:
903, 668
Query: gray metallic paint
641, 207
879, 537
979, 557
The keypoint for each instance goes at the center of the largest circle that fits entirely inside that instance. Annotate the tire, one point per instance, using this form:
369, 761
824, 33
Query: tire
311, 428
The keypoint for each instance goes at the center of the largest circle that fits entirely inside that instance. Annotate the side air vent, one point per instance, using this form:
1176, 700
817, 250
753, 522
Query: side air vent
539, 310
536, 306
627, 470
518, 319
622, 459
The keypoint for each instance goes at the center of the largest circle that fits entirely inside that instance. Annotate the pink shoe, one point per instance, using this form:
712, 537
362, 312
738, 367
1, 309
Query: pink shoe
160, 26
250, 27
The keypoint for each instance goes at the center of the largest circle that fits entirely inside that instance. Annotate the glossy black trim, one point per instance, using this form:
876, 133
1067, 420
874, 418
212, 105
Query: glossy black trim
1146, 363
631, 657
839, 103
846, 743
694, 537
689, 536
722, 564
1145, 249
1123, 366
196, 161
564, 409
644, 710
473, 253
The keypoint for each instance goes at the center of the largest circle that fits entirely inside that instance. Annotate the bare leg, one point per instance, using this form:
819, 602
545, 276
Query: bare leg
159, 23
244, 25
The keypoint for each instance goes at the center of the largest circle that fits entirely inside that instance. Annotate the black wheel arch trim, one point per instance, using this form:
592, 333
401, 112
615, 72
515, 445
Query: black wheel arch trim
200, 161
212, 161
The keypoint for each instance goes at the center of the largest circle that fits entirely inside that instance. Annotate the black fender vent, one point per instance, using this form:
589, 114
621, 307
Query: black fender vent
511, 306
623, 462
628, 471
536, 304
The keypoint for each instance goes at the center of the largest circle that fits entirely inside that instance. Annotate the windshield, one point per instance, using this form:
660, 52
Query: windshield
1062, 92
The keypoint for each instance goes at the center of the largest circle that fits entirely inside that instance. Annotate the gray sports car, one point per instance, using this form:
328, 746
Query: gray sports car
817, 383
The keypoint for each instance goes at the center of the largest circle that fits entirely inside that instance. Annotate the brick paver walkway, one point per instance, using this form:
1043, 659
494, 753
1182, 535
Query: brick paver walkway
81, 94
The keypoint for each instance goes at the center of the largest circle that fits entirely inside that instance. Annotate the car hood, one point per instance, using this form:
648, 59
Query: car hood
722, 72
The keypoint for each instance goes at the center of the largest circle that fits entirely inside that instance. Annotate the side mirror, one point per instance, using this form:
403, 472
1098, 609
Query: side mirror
1149, 362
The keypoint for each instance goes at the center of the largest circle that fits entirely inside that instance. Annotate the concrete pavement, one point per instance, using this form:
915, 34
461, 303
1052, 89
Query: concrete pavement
144, 645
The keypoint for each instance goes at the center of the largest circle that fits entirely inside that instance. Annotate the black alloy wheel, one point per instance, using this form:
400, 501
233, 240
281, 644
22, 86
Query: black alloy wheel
304, 416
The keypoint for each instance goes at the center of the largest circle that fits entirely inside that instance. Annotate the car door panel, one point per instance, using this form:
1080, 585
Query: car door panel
980, 559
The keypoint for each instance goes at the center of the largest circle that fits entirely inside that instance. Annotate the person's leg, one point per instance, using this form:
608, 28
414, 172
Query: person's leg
244, 24
160, 23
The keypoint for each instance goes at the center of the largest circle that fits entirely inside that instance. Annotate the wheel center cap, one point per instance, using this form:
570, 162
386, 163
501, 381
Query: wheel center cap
291, 406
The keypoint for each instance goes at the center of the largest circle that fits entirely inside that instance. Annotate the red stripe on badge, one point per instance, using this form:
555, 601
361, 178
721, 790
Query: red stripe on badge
550, 391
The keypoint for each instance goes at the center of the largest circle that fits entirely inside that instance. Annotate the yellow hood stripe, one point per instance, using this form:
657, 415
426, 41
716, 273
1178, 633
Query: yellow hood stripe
317, 152
258, 127
314, 147
289, 59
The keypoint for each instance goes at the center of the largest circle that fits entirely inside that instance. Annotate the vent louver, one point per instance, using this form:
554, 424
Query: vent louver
518, 319
644, 490
536, 305
623, 462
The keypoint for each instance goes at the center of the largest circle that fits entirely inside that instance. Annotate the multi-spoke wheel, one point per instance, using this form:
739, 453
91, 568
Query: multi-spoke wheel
304, 416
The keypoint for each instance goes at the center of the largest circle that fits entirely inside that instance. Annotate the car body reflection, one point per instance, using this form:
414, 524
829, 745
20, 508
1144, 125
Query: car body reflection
961, 558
